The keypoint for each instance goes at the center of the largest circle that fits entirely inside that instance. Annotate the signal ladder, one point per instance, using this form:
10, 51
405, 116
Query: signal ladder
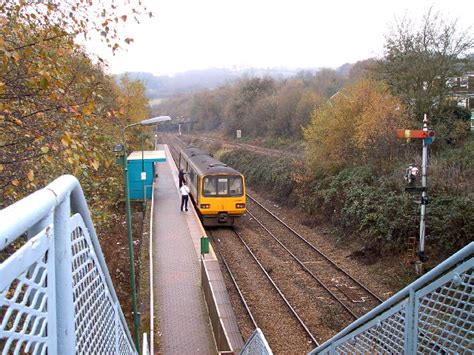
411, 246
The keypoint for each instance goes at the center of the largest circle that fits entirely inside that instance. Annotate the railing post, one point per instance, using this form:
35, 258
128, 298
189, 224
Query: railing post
51, 278
145, 349
64, 297
410, 324
52, 309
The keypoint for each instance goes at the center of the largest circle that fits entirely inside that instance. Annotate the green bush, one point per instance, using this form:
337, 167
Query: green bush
361, 202
377, 210
273, 175
450, 221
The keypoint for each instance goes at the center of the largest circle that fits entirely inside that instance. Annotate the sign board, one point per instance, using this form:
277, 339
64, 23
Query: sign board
143, 175
239, 133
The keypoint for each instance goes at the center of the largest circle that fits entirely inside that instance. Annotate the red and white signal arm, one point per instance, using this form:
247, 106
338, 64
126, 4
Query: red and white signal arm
416, 134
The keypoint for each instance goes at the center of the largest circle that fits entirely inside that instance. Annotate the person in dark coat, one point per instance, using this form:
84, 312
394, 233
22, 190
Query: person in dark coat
181, 177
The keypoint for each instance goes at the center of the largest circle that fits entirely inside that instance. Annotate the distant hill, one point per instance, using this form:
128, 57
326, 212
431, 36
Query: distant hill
159, 87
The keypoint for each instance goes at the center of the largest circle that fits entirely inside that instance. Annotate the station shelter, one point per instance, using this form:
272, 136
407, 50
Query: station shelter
141, 171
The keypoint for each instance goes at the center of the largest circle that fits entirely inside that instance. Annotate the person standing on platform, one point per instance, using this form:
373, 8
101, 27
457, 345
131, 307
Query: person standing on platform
184, 196
181, 177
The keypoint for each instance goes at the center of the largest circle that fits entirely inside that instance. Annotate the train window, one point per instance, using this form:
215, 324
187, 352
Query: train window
209, 186
222, 186
235, 186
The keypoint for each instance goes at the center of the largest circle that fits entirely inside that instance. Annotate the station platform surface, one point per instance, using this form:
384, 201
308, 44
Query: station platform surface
179, 301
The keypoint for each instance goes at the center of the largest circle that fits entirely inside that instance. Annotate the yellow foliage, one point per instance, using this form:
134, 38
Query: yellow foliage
95, 164
357, 125
89, 108
133, 101
58, 114
65, 141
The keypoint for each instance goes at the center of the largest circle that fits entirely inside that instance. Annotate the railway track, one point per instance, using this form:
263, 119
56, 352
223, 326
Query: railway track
249, 147
266, 304
172, 141
355, 298
236, 285
350, 293
321, 296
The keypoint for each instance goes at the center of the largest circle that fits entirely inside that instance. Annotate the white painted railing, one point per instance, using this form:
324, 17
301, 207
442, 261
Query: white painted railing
433, 315
56, 295
256, 345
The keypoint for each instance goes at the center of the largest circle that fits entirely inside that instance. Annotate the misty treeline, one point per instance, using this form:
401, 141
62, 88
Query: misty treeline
353, 171
416, 69
59, 112
258, 106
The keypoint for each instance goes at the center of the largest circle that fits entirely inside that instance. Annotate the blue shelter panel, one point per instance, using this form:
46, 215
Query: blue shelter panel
138, 163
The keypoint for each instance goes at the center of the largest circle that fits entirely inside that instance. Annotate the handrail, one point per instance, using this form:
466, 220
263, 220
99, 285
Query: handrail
406, 299
60, 214
256, 344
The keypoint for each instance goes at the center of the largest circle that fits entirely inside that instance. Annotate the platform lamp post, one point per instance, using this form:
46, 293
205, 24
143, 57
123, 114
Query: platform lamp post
143, 174
121, 151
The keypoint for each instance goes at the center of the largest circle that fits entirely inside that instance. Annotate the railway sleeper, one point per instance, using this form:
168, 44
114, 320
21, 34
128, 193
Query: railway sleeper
349, 293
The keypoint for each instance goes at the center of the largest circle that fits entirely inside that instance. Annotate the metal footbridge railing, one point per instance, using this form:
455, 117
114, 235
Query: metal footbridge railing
433, 315
56, 295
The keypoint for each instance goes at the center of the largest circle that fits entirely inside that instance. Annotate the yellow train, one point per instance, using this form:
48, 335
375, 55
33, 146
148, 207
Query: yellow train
217, 190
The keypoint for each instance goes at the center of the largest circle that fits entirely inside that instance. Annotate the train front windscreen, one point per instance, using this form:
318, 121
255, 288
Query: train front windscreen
222, 186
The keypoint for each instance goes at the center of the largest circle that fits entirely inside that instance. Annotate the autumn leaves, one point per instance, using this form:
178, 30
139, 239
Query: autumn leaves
59, 111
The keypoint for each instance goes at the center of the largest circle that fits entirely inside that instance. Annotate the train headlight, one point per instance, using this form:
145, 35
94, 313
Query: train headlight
205, 206
240, 205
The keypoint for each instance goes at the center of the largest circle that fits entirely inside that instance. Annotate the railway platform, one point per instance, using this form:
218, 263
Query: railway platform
189, 295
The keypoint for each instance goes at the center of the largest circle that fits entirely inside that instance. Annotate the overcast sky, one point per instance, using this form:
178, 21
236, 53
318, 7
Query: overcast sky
199, 34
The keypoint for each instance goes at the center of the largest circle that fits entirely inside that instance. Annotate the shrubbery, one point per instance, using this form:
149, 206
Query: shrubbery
361, 202
274, 175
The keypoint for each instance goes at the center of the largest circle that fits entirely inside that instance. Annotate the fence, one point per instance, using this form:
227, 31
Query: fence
256, 345
56, 295
432, 315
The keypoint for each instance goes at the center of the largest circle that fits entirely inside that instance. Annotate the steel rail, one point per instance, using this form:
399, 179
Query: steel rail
277, 289
299, 262
355, 316
249, 147
171, 145
242, 297
316, 249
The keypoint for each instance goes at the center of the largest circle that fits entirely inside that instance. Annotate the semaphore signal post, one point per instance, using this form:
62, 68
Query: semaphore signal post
427, 136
